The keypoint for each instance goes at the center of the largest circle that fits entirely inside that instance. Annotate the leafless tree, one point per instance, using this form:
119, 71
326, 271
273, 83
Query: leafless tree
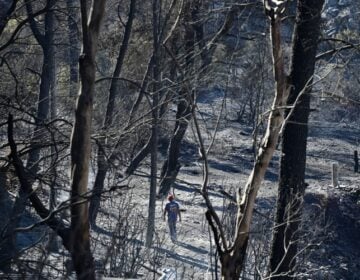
232, 252
103, 157
293, 159
81, 141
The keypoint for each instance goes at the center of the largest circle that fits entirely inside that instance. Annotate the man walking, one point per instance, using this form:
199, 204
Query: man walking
173, 211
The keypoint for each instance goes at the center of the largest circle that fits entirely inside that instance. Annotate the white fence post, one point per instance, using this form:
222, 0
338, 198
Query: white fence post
335, 175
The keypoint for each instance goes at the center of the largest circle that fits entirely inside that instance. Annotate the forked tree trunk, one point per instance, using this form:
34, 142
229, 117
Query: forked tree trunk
171, 166
232, 258
267, 147
81, 144
193, 30
183, 114
293, 159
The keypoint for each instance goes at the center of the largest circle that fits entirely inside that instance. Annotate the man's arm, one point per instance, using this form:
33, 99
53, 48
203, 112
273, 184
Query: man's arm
164, 214
179, 214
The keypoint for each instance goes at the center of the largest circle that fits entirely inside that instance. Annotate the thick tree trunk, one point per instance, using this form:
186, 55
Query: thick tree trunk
100, 177
5, 210
186, 100
81, 142
102, 161
293, 159
43, 107
232, 264
53, 244
139, 157
154, 124
153, 176
47, 73
171, 165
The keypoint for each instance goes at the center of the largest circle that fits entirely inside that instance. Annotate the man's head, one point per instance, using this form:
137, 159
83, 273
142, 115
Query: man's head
170, 197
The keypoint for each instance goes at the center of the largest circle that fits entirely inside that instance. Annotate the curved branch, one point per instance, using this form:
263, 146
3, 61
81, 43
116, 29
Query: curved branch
49, 217
33, 24
21, 24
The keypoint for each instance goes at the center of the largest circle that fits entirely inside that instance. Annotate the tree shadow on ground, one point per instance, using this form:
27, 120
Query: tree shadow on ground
226, 167
192, 248
183, 258
271, 176
190, 189
100, 230
346, 134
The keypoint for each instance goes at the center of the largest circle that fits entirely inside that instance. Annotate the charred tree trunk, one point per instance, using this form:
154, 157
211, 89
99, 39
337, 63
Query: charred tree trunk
293, 160
154, 124
139, 157
53, 245
198, 25
232, 256
102, 160
356, 162
47, 73
232, 263
73, 52
81, 143
171, 165
185, 102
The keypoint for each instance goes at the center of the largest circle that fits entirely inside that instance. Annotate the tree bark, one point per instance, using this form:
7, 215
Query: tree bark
293, 159
171, 165
81, 143
154, 124
139, 157
356, 162
232, 259
73, 53
53, 244
47, 73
